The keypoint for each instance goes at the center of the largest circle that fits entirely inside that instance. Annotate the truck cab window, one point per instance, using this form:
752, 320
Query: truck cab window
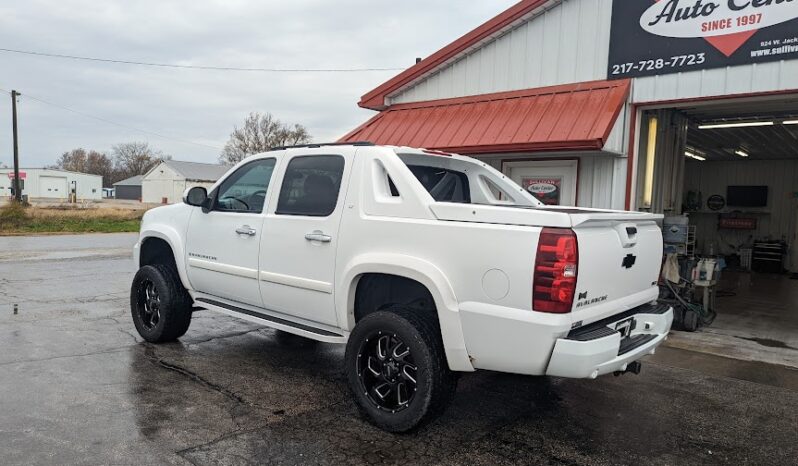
245, 190
311, 185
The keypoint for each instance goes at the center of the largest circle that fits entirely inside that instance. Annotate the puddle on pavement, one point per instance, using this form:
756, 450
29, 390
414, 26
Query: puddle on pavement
770, 343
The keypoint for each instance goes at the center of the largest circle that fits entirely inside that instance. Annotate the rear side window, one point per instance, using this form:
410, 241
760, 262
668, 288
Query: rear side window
311, 185
444, 185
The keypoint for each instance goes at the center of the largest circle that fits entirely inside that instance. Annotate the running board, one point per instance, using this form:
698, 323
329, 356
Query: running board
273, 321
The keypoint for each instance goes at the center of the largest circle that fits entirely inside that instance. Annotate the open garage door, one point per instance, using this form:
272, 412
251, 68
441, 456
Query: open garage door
53, 187
734, 203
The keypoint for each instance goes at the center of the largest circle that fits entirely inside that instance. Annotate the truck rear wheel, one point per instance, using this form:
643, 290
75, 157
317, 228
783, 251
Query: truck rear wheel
396, 369
160, 306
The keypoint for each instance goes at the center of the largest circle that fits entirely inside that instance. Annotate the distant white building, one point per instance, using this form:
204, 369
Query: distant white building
52, 183
166, 182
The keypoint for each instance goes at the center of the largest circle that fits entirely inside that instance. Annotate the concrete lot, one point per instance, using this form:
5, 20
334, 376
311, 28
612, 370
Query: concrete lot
77, 385
757, 320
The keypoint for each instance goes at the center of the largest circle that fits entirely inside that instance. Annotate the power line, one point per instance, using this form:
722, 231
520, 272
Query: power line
199, 67
121, 125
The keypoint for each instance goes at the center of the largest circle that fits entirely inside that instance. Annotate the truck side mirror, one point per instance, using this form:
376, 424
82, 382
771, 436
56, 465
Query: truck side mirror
195, 196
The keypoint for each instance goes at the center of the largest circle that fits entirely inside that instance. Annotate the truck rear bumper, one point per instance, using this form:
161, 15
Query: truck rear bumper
600, 348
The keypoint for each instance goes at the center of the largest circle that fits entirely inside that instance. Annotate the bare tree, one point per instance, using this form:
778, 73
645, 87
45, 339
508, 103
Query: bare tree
261, 131
91, 161
135, 158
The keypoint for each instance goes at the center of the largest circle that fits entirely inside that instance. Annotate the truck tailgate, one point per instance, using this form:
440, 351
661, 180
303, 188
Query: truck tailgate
620, 252
619, 264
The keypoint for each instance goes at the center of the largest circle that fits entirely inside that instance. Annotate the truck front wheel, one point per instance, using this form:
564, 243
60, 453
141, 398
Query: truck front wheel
160, 306
396, 369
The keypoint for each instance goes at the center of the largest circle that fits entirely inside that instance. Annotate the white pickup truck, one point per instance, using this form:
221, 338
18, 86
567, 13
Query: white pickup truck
425, 264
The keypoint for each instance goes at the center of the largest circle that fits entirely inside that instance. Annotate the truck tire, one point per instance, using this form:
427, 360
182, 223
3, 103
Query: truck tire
160, 306
396, 369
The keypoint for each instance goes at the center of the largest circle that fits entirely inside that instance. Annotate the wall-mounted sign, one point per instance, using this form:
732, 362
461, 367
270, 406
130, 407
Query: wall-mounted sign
736, 223
654, 37
546, 190
22, 175
716, 202
551, 181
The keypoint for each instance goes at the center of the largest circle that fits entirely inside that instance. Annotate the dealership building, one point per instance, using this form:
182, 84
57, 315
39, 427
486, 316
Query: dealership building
665, 107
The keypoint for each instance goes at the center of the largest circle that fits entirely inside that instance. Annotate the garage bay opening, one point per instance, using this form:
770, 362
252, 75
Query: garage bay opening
725, 175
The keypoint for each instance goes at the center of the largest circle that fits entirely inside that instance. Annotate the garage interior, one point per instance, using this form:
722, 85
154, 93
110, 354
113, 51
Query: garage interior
725, 174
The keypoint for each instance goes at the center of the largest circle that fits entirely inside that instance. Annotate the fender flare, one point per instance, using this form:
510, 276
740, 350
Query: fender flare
421, 271
172, 238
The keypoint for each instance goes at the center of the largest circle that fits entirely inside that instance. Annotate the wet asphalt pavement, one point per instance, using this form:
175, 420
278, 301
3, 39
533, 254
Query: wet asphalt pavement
78, 386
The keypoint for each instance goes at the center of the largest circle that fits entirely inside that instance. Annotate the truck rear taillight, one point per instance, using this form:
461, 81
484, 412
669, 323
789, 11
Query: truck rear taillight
554, 282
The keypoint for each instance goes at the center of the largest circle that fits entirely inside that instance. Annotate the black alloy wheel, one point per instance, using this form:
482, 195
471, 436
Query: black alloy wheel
159, 305
149, 304
387, 371
396, 368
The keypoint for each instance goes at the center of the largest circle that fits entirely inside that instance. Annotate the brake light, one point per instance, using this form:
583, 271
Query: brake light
554, 283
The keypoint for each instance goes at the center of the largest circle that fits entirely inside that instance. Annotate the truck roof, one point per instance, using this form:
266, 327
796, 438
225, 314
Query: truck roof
316, 145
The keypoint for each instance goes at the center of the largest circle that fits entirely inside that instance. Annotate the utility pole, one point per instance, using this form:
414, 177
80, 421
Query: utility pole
17, 190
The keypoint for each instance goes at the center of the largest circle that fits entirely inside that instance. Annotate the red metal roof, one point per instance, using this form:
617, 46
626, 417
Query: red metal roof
568, 117
375, 99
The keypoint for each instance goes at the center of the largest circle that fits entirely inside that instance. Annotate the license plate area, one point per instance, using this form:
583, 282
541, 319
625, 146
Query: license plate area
625, 327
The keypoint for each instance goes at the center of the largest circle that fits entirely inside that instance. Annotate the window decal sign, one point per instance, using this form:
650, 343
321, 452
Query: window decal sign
656, 37
546, 190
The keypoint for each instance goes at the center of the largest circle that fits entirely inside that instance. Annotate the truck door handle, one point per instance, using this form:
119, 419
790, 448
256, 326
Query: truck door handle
246, 230
318, 236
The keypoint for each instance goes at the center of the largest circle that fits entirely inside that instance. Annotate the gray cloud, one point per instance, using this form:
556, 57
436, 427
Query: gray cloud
203, 106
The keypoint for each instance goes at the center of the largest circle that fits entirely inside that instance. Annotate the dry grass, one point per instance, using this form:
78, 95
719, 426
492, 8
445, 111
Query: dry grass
18, 220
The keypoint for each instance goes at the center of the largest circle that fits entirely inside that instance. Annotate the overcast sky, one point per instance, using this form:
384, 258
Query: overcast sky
203, 106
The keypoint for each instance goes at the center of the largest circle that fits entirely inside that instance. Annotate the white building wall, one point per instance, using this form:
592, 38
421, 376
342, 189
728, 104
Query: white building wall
159, 184
179, 187
776, 221
618, 140
89, 187
164, 183
569, 43
190, 184
601, 179
566, 43
744, 79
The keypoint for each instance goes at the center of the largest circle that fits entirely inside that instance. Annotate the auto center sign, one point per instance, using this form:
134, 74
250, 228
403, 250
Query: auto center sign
651, 37
22, 175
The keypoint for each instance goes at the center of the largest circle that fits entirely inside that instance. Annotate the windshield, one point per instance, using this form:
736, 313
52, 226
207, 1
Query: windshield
464, 180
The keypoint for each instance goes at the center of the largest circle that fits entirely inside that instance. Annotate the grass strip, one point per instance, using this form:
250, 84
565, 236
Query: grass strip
16, 219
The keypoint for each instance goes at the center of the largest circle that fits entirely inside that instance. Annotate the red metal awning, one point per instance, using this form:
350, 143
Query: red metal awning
569, 117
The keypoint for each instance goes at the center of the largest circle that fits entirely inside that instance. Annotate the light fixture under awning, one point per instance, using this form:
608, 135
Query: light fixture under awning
739, 124
694, 156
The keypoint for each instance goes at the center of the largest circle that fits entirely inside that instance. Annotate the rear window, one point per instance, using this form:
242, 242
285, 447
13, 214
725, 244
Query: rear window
461, 180
443, 185
310, 185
